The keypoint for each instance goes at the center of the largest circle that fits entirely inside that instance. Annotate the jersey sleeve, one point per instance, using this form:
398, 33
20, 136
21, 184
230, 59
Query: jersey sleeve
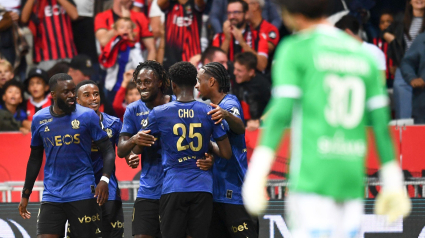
96, 131
286, 77
139, 3
376, 96
35, 136
263, 47
100, 22
129, 125
117, 128
233, 107
273, 35
151, 123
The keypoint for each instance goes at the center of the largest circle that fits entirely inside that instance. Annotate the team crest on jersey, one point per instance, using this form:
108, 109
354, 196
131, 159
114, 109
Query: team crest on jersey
109, 132
222, 126
46, 129
144, 123
75, 124
235, 111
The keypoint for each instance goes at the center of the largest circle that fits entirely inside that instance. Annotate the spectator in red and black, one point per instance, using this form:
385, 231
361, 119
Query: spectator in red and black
80, 69
238, 36
104, 26
37, 85
50, 24
253, 90
385, 20
183, 22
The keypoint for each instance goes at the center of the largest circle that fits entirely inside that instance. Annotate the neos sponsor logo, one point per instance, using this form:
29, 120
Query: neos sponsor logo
7, 231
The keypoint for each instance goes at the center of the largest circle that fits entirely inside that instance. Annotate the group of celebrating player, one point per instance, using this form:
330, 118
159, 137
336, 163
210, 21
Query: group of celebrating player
181, 193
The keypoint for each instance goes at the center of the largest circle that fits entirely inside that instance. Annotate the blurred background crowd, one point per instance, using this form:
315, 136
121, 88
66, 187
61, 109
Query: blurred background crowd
104, 40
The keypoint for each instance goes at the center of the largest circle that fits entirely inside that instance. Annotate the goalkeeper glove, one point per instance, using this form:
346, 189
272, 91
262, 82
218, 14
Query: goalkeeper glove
392, 200
253, 189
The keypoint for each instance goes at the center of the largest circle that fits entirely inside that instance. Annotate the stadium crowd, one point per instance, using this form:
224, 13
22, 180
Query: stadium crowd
105, 40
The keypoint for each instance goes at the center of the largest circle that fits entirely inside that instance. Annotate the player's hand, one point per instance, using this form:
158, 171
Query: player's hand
206, 163
392, 200
143, 138
14, 16
218, 113
252, 125
23, 209
227, 29
393, 204
253, 189
132, 160
102, 192
417, 83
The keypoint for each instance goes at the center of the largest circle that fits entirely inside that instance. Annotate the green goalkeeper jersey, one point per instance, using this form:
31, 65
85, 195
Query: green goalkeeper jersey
333, 88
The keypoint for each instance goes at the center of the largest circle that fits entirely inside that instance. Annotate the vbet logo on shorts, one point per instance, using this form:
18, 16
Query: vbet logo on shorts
9, 229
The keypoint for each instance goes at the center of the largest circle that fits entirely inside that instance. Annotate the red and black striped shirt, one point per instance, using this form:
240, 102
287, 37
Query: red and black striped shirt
383, 45
52, 32
182, 32
257, 41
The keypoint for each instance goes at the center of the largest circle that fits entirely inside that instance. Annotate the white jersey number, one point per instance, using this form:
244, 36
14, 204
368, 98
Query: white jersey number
346, 100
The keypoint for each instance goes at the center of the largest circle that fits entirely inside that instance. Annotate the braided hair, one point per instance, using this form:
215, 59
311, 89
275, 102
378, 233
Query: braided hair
158, 70
218, 71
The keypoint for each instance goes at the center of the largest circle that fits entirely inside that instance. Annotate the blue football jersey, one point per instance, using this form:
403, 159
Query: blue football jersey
229, 174
184, 130
67, 140
152, 175
112, 126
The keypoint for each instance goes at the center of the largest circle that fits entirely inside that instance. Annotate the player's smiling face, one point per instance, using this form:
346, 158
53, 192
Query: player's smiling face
203, 84
147, 84
64, 95
88, 96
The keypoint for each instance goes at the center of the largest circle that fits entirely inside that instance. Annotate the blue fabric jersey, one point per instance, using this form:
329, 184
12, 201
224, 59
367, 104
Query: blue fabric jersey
67, 140
229, 174
184, 130
152, 173
112, 126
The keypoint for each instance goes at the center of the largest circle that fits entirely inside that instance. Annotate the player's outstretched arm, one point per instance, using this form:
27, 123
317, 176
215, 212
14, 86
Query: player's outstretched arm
224, 148
253, 192
392, 200
108, 154
235, 123
33, 167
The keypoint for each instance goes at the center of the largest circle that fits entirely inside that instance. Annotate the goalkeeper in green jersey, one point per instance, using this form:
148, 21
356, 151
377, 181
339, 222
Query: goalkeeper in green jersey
327, 87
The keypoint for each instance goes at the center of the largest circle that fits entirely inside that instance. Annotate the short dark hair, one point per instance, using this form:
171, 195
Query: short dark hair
312, 9
220, 73
248, 59
158, 70
244, 4
85, 82
348, 22
58, 77
209, 53
60, 67
130, 86
13, 83
387, 12
183, 74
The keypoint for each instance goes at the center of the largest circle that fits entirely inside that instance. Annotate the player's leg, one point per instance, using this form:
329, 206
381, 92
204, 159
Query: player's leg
173, 215
239, 223
311, 215
112, 219
145, 221
84, 218
199, 214
349, 222
218, 223
51, 220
